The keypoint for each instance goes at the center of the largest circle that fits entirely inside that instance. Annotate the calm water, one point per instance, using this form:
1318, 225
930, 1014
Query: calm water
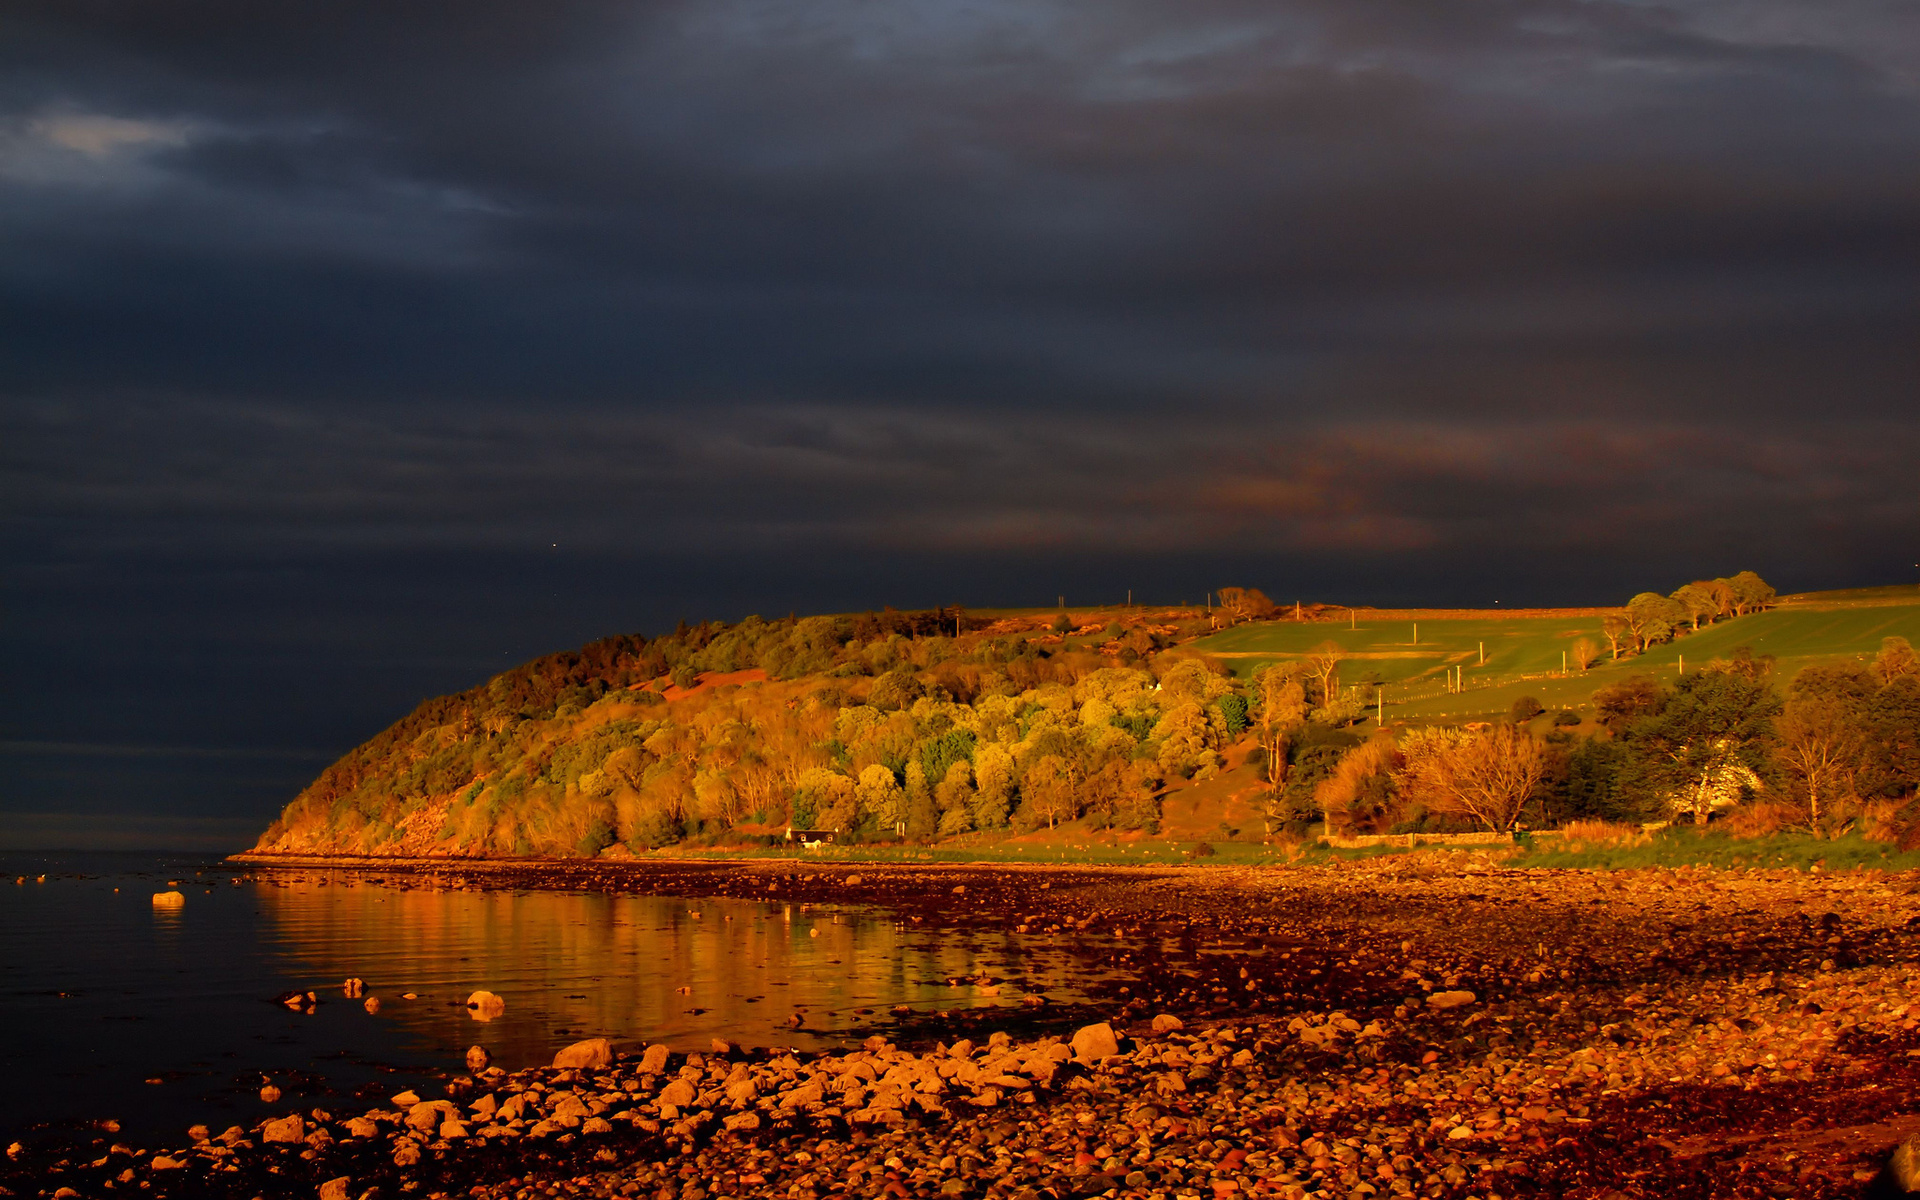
101, 992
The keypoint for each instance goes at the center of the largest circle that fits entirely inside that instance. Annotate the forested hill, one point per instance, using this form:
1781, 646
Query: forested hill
934, 722
922, 726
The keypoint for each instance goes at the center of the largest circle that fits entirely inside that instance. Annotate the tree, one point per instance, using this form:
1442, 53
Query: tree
923, 814
1750, 593
1048, 790
1896, 660
881, 798
1696, 602
1525, 708
954, 796
1246, 604
1819, 741
1283, 708
1583, 653
993, 783
1705, 745
1650, 619
1613, 627
1359, 793
1488, 776
1620, 704
1323, 664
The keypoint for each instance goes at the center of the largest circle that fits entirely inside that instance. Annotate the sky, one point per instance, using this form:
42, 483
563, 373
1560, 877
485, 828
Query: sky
352, 353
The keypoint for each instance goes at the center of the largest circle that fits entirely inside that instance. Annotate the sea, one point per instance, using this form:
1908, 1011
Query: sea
162, 1017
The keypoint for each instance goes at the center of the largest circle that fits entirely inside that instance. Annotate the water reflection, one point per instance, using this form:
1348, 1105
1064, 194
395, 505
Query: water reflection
639, 968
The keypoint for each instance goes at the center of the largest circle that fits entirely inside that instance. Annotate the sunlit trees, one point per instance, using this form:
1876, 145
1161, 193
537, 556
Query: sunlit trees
1246, 604
1695, 602
923, 814
1583, 653
1048, 790
1487, 776
1703, 743
1750, 593
881, 798
1283, 709
1323, 666
1896, 660
954, 797
1358, 796
993, 773
1650, 619
1820, 744
1613, 627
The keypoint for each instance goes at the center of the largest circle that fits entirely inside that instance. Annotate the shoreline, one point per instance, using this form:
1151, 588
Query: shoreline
1686, 1034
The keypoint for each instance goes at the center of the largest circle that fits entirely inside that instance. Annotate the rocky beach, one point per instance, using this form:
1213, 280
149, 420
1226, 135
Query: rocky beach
1429, 1024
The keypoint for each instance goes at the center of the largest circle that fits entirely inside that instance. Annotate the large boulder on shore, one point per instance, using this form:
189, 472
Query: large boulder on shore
594, 1054
1095, 1042
485, 1006
286, 1129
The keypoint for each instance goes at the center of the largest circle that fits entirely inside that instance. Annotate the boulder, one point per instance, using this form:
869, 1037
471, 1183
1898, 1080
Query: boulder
162, 1163
286, 1129
594, 1054
654, 1061
169, 900
334, 1189
372, 1005
743, 1121
478, 1059
679, 1093
431, 1114
1903, 1165
270, 1094
1167, 1023
485, 1006
1095, 1042
1451, 999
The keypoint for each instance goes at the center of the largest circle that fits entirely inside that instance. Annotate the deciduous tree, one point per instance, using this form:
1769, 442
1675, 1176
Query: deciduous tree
1489, 776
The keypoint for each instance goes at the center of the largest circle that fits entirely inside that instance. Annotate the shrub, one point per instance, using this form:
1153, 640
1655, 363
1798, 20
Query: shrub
1763, 819
1524, 709
1566, 717
1580, 835
1203, 850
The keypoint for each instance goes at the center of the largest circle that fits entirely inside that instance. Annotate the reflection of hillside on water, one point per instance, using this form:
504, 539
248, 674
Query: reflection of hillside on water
594, 964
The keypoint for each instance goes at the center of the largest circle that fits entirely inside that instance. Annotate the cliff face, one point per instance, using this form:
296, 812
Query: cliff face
880, 725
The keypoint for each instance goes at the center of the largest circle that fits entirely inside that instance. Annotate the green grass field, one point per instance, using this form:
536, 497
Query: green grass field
1522, 655
1679, 846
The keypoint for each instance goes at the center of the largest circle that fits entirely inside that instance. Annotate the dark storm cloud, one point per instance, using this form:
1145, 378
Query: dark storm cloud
1256, 202
348, 353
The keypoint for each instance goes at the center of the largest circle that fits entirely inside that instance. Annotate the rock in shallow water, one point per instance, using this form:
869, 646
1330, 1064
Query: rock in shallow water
594, 1054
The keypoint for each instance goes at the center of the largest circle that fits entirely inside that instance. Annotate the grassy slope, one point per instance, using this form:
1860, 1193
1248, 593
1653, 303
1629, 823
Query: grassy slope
1523, 653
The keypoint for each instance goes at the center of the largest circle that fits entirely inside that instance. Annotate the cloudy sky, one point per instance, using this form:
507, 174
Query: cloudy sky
350, 353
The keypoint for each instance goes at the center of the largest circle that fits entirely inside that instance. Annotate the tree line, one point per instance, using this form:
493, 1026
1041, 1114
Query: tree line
1836, 744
